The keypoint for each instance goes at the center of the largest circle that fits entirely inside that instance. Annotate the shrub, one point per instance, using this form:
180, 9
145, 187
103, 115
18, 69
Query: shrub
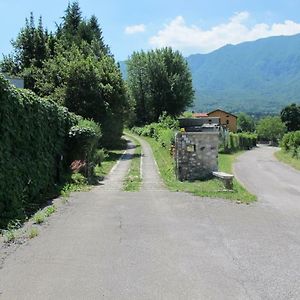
99, 156
291, 142
36, 138
83, 139
163, 132
78, 179
232, 142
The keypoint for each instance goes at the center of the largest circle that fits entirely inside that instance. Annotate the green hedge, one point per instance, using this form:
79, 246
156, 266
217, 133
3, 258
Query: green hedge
291, 143
232, 142
34, 149
163, 132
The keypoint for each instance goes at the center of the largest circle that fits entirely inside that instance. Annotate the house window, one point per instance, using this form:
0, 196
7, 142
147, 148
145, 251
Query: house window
227, 122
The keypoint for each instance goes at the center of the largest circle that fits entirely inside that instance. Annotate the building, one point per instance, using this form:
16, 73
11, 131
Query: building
227, 120
200, 115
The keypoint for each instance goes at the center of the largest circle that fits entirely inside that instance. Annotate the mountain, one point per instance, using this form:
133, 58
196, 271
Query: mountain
259, 77
256, 77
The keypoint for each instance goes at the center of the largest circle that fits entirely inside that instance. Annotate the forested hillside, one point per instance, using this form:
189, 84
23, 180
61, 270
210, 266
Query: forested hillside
256, 77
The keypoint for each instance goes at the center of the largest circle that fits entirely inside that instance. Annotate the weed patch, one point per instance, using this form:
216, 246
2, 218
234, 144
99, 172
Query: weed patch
133, 180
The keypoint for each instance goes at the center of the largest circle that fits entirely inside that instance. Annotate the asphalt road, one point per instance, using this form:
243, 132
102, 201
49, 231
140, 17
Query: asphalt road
276, 184
155, 244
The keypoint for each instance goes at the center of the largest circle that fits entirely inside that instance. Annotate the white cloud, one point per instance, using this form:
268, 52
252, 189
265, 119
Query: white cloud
190, 38
135, 29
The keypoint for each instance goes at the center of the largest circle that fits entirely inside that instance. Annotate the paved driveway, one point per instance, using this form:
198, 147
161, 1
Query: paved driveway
155, 244
277, 185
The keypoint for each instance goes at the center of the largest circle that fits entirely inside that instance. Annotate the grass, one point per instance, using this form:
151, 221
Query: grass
213, 188
72, 187
109, 162
12, 231
133, 179
33, 232
40, 216
287, 158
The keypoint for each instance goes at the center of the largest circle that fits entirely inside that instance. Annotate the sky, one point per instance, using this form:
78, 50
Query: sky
190, 26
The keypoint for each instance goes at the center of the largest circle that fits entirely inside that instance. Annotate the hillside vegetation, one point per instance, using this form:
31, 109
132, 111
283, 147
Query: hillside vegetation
259, 77
255, 77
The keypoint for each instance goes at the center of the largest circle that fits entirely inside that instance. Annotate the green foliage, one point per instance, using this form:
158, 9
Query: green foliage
10, 234
245, 123
158, 81
133, 180
49, 210
73, 67
290, 115
39, 217
258, 77
234, 142
163, 131
271, 129
78, 179
99, 156
83, 140
33, 232
34, 149
288, 158
210, 188
291, 143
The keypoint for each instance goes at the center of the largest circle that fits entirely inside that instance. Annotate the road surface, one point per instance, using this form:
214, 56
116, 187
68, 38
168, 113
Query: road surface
156, 244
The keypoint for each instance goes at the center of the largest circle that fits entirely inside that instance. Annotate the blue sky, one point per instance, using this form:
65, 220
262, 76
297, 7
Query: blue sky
193, 26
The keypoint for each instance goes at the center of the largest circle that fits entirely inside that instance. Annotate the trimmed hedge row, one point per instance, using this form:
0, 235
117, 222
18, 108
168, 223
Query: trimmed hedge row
232, 142
35, 140
291, 143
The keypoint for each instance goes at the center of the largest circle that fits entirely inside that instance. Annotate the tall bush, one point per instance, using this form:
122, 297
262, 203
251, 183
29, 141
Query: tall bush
291, 143
34, 149
232, 142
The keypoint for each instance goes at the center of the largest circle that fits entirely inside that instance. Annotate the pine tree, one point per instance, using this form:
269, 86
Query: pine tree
40, 44
71, 21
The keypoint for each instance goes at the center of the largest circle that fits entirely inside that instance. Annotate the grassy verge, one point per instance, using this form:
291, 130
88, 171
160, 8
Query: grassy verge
287, 158
110, 160
210, 188
133, 180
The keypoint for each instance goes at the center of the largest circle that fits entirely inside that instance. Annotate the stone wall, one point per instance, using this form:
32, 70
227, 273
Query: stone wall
196, 154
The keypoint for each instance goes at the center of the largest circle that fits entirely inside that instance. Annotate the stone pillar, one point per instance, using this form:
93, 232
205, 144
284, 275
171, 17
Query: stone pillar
196, 155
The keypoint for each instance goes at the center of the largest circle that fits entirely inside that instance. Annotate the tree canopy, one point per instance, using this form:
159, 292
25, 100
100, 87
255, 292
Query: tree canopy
290, 115
271, 129
245, 123
74, 67
158, 81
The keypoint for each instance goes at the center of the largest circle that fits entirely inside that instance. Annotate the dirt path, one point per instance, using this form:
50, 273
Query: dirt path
154, 244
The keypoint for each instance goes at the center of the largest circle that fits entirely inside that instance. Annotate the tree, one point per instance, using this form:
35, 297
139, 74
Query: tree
71, 20
31, 49
73, 67
290, 115
245, 123
159, 81
271, 128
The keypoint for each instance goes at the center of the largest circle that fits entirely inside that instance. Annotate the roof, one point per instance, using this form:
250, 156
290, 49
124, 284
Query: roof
226, 112
200, 115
